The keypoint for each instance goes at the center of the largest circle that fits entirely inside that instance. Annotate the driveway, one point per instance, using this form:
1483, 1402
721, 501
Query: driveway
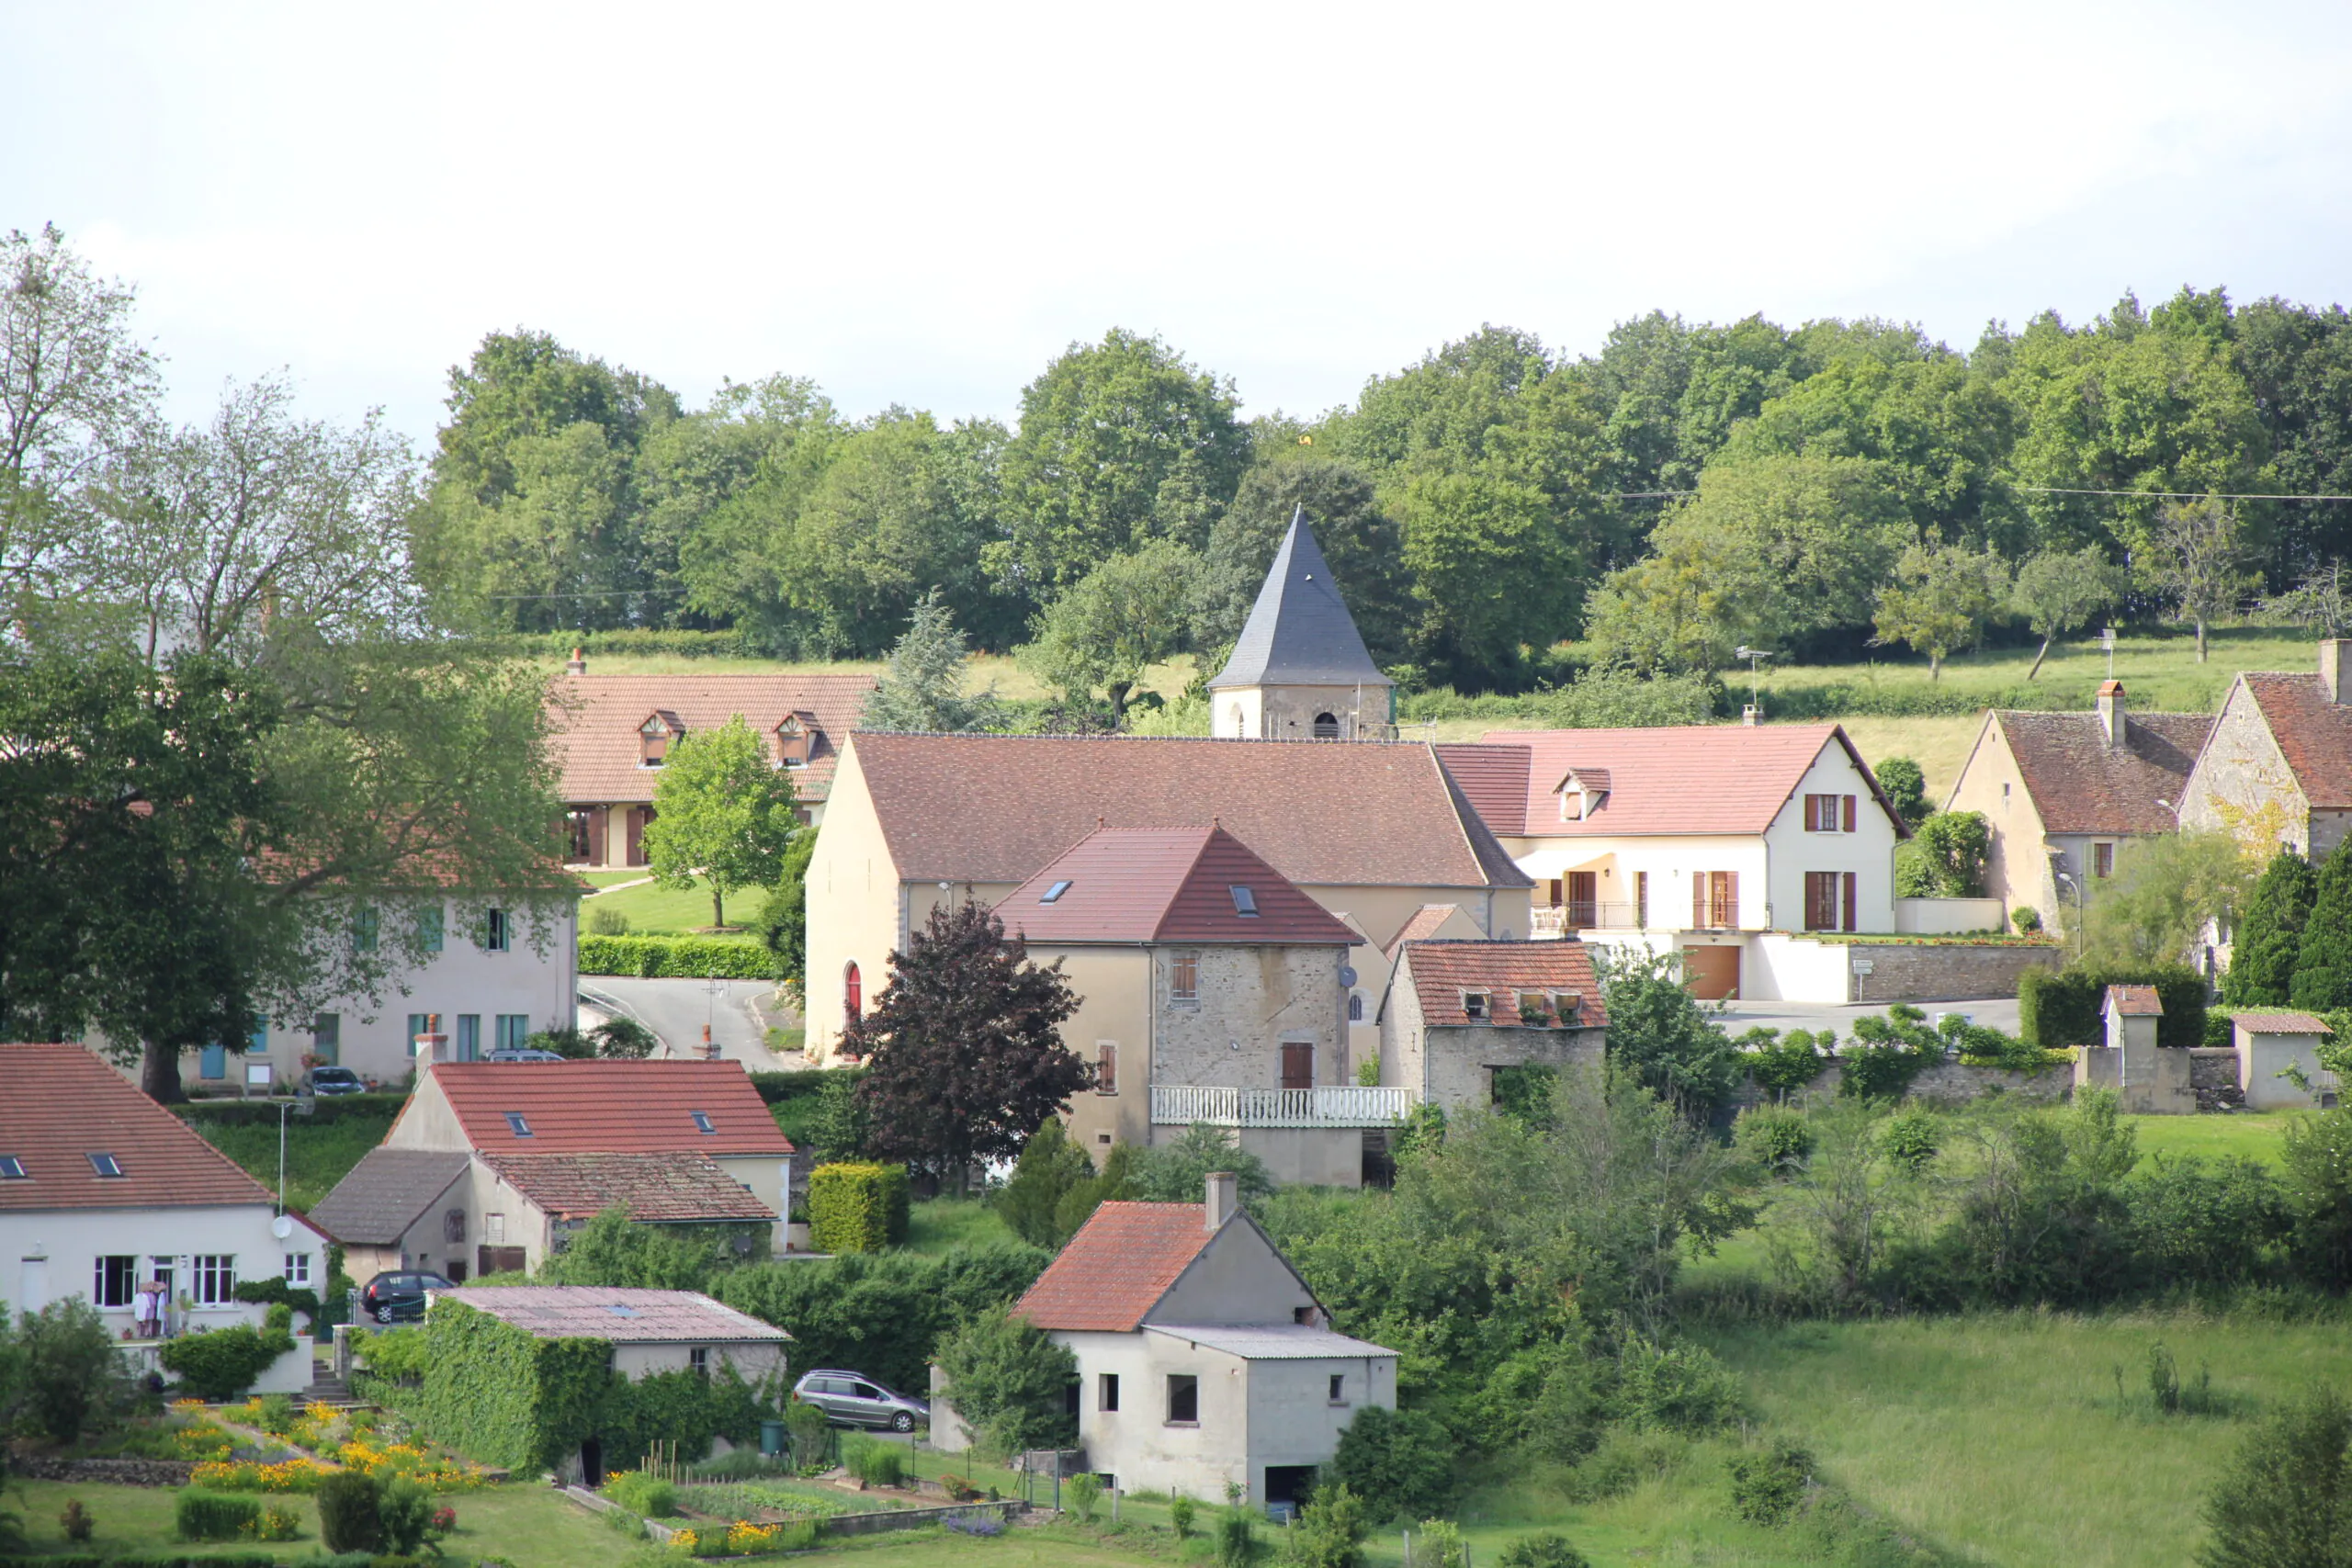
1996, 1012
676, 1010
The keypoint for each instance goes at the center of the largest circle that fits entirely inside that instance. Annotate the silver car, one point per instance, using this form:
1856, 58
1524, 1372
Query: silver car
852, 1399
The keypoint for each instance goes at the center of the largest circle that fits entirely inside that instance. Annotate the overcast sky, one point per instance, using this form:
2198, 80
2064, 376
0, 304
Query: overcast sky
922, 204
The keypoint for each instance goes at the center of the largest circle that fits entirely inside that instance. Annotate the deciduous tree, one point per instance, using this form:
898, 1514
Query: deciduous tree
2165, 890
2198, 561
1111, 627
722, 814
2057, 590
1939, 600
1012, 1381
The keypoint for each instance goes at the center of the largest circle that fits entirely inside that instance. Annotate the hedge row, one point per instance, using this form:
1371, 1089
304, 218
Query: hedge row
228, 1560
330, 1108
675, 957
856, 1207
633, 640
2058, 1008
783, 1089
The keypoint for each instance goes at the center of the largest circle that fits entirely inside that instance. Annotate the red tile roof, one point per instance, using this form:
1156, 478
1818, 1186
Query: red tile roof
2313, 733
996, 807
1425, 923
1440, 971
2136, 1001
62, 1104
2079, 785
609, 1107
1719, 778
661, 1188
1149, 884
595, 719
1116, 1267
2279, 1023
620, 1313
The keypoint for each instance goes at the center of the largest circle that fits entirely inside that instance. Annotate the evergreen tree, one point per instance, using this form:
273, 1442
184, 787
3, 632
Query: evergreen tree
922, 688
1049, 1167
2323, 959
2262, 964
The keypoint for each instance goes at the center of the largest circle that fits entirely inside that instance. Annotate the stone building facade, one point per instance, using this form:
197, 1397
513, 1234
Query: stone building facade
2276, 771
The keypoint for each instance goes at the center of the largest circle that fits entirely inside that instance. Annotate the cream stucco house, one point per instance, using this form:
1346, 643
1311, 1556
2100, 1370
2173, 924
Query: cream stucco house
1203, 1359
2277, 769
1458, 1014
1709, 839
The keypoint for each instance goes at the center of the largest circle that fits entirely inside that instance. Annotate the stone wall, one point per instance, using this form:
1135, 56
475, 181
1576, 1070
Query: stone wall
2213, 1077
1949, 1083
1933, 972
108, 1471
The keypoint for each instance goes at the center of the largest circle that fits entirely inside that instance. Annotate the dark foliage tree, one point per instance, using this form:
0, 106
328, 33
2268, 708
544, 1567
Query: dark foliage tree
2324, 958
2286, 1500
2316, 1162
963, 1050
1050, 1165
1010, 1383
1401, 1460
1906, 786
2270, 933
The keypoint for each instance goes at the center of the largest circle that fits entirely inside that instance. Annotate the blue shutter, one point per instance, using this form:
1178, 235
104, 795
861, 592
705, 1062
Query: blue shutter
213, 1061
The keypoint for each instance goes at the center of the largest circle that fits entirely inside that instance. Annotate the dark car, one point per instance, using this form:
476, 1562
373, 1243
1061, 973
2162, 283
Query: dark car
399, 1296
333, 1080
852, 1399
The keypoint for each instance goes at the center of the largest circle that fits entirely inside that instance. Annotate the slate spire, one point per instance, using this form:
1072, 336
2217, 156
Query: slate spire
1299, 632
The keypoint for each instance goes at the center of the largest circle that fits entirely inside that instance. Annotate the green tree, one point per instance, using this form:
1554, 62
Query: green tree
2286, 1499
2165, 890
1906, 786
1492, 567
2270, 932
1659, 1036
784, 919
71, 1378
2323, 959
1177, 1170
1401, 1460
2297, 362
1329, 1530
1953, 848
1940, 599
1359, 539
921, 688
1010, 1383
1107, 629
2057, 590
1050, 1165
722, 814
2320, 600
2315, 1164
2198, 560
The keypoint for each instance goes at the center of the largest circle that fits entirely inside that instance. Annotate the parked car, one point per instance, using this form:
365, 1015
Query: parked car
522, 1053
852, 1399
399, 1296
332, 1080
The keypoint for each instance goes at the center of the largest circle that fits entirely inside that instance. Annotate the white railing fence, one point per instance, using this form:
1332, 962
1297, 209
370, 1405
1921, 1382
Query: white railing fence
1332, 1105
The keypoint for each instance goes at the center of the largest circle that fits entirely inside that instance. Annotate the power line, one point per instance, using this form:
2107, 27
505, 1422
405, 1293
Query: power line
2173, 494
603, 593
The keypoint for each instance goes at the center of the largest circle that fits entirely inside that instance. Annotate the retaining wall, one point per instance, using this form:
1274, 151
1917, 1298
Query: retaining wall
1935, 972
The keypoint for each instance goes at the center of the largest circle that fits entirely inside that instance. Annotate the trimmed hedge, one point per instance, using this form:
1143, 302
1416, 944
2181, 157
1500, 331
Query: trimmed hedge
674, 957
2058, 1008
857, 1207
213, 1515
326, 1108
784, 1088
221, 1363
223, 1560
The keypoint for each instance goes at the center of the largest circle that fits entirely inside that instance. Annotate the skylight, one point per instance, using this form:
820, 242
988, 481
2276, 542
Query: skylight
11, 1168
516, 1125
1245, 902
105, 1165
1056, 891
702, 1121
619, 1311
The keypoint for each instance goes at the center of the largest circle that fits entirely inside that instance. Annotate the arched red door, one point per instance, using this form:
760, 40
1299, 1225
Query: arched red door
852, 993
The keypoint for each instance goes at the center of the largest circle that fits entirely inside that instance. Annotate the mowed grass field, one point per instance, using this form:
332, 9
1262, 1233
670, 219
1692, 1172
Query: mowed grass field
665, 911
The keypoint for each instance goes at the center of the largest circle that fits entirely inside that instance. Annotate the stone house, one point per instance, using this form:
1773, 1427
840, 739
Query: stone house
2276, 768
1456, 1014
1203, 1359
531, 1151
1215, 991
103, 1191
611, 733
1702, 839
1299, 670
2063, 791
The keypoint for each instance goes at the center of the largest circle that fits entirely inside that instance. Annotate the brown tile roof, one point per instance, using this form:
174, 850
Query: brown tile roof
595, 719
609, 1107
2080, 786
2136, 1001
1713, 778
2279, 1023
1116, 1267
386, 1192
1440, 971
1149, 884
996, 807
596, 1312
672, 1189
60, 1104
1425, 923
2315, 735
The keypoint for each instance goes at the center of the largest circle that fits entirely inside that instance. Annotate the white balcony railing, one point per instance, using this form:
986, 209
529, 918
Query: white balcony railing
1335, 1105
1562, 919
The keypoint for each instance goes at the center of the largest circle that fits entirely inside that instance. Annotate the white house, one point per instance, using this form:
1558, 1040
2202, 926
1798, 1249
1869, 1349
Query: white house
103, 1191
1203, 1359
1705, 838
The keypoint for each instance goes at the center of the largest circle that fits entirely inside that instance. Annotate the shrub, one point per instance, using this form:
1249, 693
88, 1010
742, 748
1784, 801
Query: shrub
1767, 1484
348, 1519
1777, 1139
674, 957
1399, 1462
874, 1462
811, 1430
276, 1291
1910, 1138
2282, 1501
1237, 1537
213, 1515
69, 1379
404, 1511
642, 1493
1682, 1388
1329, 1531
2316, 1161
1082, 1491
1545, 1549
221, 1363
1784, 1064
857, 1207
1440, 1545
1011, 1381
2026, 919
2058, 1007
606, 920
1182, 1510
398, 1353
75, 1521
274, 1523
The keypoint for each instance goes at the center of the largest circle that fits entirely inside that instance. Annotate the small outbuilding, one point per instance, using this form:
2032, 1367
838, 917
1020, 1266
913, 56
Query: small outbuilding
2274, 1049
2150, 1080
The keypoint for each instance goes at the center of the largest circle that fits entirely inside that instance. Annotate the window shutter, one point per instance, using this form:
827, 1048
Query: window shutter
1851, 880
1698, 899
1850, 814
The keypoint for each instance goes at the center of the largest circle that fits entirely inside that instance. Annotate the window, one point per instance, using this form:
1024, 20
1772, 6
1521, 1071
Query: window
495, 936
517, 1125
1566, 1004
326, 1037
796, 738
365, 927
418, 1024
105, 1165
698, 1360
216, 1278
1184, 976
1474, 1007
297, 1268
212, 1062
1355, 1007
1714, 898
12, 1168
1184, 1400
1339, 1388
1245, 903
117, 1278
1240, 723
1821, 901
2102, 859
429, 929
494, 1229
702, 1121
852, 993
1053, 894
1327, 726
260, 1041
513, 1030
653, 741
1107, 1066
1820, 813
469, 1036
1106, 1392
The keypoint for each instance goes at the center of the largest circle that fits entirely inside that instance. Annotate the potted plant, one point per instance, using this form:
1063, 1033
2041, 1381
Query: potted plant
1533, 1011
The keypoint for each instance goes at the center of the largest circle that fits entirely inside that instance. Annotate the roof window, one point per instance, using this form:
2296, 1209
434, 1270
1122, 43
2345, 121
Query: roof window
617, 1310
702, 1121
105, 1165
1474, 1007
516, 1125
1054, 893
1245, 903
11, 1168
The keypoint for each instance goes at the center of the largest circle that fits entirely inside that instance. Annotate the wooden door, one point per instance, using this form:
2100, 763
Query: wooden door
1298, 1064
1584, 900
636, 816
1713, 973
597, 818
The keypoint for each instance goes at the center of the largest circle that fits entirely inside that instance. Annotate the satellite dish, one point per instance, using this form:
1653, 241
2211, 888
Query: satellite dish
281, 1227
1347, 975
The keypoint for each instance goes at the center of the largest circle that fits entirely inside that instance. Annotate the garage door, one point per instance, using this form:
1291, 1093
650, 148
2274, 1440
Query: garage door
1714, 971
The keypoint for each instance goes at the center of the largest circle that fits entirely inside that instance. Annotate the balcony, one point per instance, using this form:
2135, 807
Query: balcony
1334, 1105
1566, 920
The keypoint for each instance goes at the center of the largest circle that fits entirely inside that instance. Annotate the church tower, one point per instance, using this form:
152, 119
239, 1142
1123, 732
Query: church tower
1300, 670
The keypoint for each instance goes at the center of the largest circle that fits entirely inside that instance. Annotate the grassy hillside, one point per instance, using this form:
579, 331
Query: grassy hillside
320, 1151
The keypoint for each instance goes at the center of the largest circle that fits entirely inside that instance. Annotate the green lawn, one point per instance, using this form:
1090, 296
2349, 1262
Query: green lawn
2254, 1135
945, 1223
318, 1155
662, 911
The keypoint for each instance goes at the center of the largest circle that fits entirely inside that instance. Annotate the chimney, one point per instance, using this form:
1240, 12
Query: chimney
432, 1045
578, 663
1750, 713
1222, 1199
2111, 719
2331, 668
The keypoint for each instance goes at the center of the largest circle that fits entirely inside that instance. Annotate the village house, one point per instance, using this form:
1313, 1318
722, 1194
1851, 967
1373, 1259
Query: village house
493, 1166
1460, 1016
2061, 792
2276, 768
613, 731
1204, 1361
1215, 991
1711, 840
104, 1194
1299, 670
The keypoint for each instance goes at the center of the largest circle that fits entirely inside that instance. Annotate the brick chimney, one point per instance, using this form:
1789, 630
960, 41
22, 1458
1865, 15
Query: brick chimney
1224, 1198
2331, 670
2111, 719
432, 1045
578, 663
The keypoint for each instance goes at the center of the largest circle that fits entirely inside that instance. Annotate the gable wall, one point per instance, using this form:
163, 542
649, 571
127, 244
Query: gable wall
2242, 785
2018, 867
1868, 852
1238, 1278
854, 905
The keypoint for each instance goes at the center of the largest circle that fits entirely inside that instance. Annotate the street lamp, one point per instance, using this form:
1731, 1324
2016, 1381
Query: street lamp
1755, 657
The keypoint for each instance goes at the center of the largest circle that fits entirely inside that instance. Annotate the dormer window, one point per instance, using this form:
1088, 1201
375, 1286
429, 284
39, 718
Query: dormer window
796, 740
1245, 902
1053, 894
1567, 1005
654, 736
1583, 792
105, 1165
1476, 1006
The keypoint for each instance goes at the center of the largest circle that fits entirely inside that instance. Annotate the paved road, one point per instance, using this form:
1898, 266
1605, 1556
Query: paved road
677, 1009
1996, 1012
